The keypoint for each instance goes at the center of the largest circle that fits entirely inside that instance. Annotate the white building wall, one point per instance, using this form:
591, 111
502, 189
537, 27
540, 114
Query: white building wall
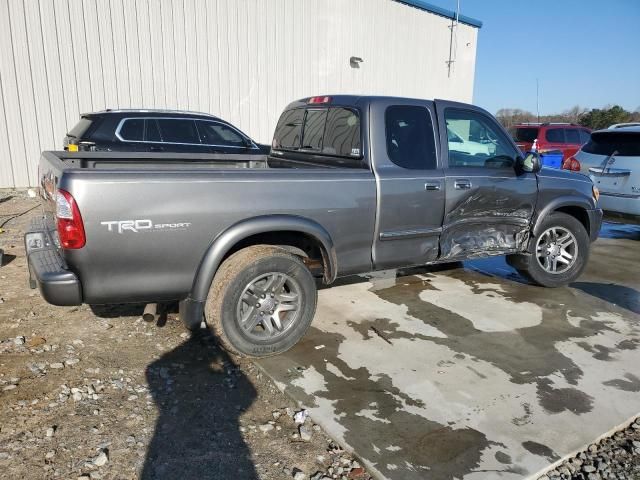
243, 60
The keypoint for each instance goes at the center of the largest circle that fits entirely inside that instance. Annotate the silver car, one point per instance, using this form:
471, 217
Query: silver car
612, 159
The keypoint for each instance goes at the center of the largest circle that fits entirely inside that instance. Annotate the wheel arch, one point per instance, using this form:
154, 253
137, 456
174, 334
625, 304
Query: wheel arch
291, 232
576, 207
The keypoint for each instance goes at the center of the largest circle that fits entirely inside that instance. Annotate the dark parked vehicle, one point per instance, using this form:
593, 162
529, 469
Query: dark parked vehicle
353, 184
158, 131
551, 137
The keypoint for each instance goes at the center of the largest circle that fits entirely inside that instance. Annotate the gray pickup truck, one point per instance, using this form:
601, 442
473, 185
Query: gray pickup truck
352, 184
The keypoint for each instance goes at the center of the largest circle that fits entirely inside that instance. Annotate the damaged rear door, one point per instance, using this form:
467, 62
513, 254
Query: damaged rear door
489, 205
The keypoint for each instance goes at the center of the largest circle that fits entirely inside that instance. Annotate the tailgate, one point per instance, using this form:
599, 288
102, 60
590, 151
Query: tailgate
619, 175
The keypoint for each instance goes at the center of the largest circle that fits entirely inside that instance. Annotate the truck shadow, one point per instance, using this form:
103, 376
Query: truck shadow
200, 394
624, 297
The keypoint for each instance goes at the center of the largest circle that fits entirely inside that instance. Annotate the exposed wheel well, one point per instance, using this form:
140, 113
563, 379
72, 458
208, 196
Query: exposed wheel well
301, 244
578, 213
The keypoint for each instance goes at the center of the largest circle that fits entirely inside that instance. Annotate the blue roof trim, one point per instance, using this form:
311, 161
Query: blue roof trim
443, 12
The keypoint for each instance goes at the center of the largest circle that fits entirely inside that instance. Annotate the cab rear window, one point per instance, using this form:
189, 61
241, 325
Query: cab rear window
625, 144
333, 131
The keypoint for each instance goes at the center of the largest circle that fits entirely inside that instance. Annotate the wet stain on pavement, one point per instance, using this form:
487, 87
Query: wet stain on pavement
600, 352
503, 458
374, 415
556, 400
524, 419
540, 450
631, 384
629, 344
525, 354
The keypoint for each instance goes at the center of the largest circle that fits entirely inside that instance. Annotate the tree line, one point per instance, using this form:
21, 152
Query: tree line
596, 118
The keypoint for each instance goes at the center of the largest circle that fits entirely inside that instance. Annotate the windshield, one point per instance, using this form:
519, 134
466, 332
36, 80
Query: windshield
524, 134
626, 144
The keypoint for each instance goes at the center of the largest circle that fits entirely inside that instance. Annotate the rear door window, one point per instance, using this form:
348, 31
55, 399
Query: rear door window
132, 130
410, 138
175, 130
214, 133
555, 135
572, 136
152, 133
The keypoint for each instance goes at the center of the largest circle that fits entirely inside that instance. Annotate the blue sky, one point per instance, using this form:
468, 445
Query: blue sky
583, 53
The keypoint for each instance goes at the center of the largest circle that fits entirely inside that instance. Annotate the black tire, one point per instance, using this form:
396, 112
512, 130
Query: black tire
529, 266
232, 282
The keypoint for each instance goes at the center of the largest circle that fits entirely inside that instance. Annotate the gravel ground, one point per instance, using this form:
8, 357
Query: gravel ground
615, 457
96, 392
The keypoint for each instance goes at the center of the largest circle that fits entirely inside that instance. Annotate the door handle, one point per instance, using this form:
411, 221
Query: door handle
156, 149
432, 186
462, 184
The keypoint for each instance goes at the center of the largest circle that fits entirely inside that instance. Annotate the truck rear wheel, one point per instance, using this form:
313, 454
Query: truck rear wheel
559, 252
261, 302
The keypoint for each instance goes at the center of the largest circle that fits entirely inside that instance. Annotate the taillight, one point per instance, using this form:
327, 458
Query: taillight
70, 226
319, 100
572, 164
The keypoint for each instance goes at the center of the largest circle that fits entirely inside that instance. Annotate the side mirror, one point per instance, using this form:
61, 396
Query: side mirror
531, 163
248, 143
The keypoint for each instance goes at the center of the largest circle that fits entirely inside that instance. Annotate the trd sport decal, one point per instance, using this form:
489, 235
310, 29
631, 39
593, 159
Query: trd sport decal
137, 226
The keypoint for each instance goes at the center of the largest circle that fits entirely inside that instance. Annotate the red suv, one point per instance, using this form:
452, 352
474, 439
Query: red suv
566, 137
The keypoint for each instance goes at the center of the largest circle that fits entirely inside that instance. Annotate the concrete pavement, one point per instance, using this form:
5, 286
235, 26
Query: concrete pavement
471, 372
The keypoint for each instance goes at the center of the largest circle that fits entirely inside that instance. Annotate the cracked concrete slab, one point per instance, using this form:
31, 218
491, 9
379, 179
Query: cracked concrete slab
471, 372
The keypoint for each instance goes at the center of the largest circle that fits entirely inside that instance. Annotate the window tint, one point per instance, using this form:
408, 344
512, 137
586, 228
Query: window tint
178, 130
478, 141
342, 133
152, 134
214, 133
410, 140
289, 129
555, 135
572, 136
330, 131
585, 136
132, 129
524, 134
313, 130
605, 143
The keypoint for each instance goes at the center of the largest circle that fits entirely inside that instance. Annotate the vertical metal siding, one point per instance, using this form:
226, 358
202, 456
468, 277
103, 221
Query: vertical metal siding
243, 60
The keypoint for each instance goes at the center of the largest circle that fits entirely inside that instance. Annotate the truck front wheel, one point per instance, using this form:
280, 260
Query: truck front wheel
558, 253
261, 301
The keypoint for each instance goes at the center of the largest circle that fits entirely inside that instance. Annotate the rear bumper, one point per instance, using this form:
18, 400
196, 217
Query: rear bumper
48, 270
595, 222
621, 208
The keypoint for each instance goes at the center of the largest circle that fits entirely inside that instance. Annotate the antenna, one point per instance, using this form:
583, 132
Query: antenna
538, 99
452, 27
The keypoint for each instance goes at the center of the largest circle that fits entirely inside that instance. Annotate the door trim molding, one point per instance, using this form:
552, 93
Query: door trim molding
403, 234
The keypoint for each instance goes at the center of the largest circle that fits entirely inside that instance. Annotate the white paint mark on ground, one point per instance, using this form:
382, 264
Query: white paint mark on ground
489, 311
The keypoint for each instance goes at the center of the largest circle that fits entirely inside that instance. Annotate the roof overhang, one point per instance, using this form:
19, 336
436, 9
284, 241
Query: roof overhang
443, 12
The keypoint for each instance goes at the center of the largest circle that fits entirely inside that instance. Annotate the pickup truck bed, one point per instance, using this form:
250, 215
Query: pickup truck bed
352, 184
